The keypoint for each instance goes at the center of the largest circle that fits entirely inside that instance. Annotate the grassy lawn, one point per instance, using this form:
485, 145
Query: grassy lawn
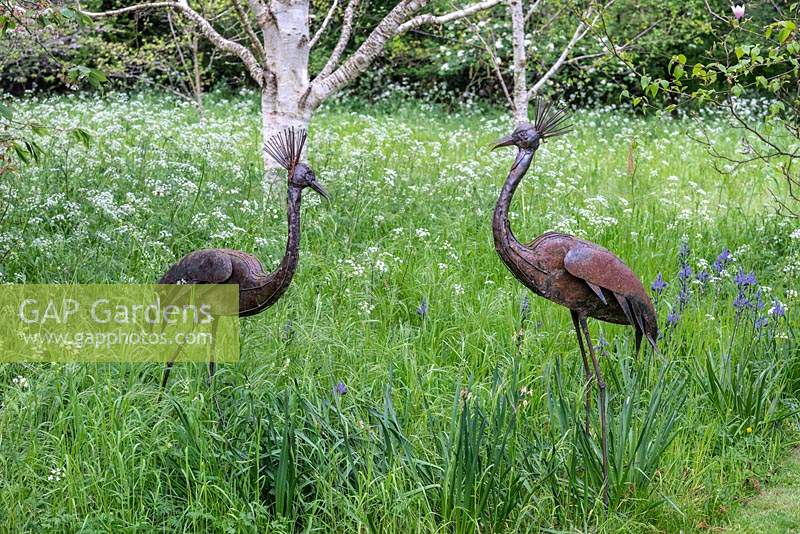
776, 508
467, 418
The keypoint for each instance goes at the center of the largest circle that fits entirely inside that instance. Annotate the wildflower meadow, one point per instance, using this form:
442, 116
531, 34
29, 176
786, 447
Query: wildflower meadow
406, 382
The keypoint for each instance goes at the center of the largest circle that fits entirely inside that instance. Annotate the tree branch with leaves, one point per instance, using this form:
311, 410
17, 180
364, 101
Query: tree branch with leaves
551, 31
750, 57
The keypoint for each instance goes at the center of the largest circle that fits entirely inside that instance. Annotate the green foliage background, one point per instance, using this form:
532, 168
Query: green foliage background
139, 49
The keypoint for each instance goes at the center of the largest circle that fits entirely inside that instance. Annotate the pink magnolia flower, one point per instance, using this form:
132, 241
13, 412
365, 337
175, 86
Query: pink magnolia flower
738, 11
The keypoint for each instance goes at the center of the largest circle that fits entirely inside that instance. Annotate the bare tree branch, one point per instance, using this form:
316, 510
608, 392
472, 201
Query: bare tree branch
589, 18
495, 65
430, 18
532, 10
556, 66
324, 24
259, 9
617, 49
366, 53
344, 38
714, 14
205, 27
396, 23
179, 48
248, 28
129, 9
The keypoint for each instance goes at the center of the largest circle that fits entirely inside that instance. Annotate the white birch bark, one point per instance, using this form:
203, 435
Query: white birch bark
520, 97
287, 43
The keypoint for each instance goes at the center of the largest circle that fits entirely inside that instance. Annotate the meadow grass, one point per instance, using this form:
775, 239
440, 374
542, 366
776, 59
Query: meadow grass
464, 418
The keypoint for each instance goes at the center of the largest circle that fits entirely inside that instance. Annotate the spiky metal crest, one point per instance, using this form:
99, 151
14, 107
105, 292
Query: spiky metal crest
549, 120
286, 147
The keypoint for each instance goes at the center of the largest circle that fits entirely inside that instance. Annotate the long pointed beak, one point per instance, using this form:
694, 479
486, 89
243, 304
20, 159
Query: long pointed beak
316, 186
503, 141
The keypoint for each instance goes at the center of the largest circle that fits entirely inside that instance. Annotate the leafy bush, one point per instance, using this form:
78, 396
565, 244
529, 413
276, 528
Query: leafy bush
753, 53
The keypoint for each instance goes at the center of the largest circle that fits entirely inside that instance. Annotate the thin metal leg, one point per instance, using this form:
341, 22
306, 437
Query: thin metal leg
212, 367
170, 363
212, 364
601, 387
168, 367
638, 343
587, 374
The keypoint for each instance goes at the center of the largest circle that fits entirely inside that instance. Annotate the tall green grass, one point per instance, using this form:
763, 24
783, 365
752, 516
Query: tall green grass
467, 418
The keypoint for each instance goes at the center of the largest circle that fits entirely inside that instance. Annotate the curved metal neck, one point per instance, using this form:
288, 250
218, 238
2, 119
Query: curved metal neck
500, 224
289, 262
275, 284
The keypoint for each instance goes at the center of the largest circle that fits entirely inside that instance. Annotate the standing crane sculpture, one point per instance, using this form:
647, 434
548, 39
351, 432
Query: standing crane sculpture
258, 290
572, 272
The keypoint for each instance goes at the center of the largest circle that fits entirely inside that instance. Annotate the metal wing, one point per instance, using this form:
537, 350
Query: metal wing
210, 266
601, 269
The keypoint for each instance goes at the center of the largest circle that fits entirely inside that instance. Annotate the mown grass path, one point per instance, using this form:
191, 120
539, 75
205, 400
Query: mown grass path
777, 508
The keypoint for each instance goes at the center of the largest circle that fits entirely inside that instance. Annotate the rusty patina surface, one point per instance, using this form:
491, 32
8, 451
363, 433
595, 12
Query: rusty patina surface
575, 273
258, 289
584, 277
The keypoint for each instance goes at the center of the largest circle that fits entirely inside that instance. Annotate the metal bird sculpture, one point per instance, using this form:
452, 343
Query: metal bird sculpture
572, 272
258, 289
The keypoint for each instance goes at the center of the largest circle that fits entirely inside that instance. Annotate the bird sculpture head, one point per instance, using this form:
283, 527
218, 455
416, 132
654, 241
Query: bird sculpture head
549, 122
286, 148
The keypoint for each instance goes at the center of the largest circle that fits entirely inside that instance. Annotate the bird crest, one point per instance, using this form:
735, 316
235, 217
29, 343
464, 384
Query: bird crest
549, 120
286, 146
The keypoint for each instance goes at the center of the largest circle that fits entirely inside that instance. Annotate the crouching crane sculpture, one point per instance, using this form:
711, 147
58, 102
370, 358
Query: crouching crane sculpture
577, 274
258, 290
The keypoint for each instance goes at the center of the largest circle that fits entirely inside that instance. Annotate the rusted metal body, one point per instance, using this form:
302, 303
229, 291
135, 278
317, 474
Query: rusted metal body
572, 272
258, 289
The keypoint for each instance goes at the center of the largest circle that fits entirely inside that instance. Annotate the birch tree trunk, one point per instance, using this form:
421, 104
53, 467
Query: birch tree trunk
286, 75
520, 99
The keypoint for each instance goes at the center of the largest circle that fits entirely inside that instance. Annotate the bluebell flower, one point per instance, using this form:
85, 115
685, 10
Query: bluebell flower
761, 322
684, 251
743, 279
703, 277
685, 272
422, 309
673, 318
288, 330
340, 388
658, 284
778, 309
722, 260
759, 301
525, 308
683, 297
741, 302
